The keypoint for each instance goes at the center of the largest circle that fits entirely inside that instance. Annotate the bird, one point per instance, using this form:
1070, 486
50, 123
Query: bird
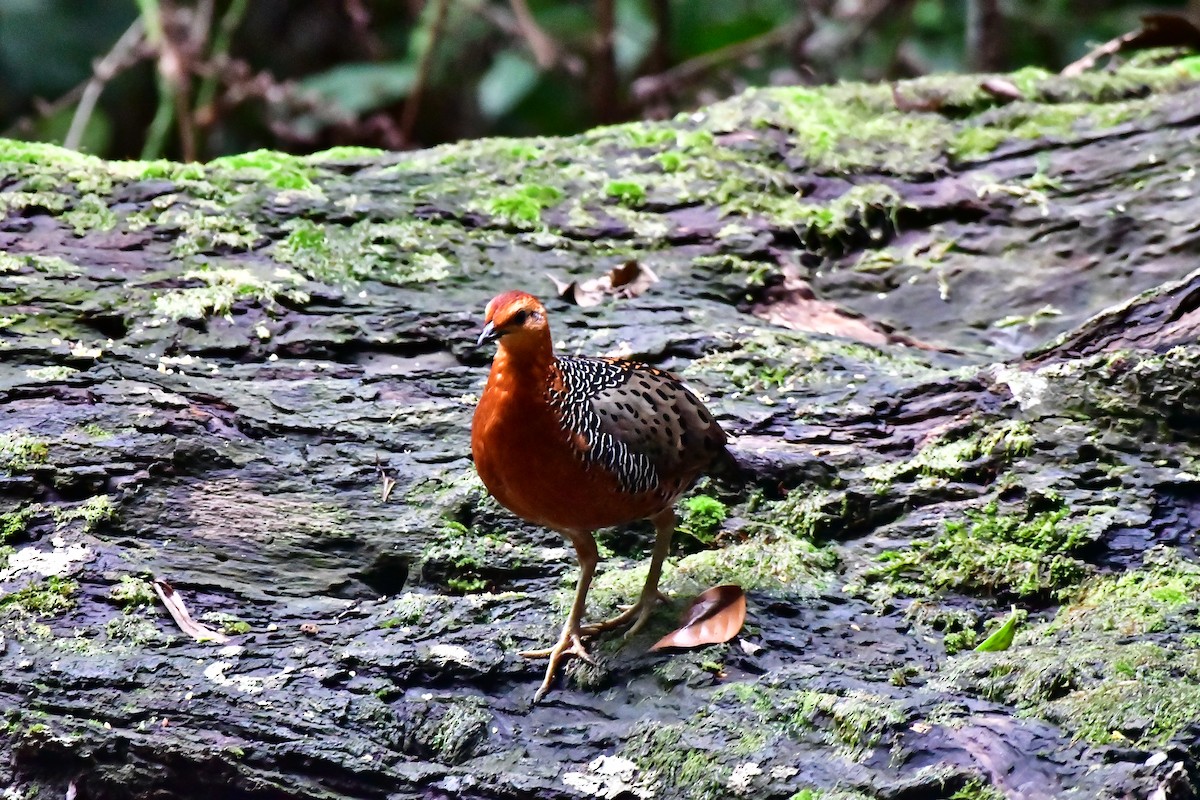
577, 443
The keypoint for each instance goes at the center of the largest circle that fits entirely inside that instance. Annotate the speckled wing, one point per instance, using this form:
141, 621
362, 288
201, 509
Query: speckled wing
640, 423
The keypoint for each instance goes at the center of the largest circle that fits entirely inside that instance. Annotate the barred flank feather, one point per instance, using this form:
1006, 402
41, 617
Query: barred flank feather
641, 424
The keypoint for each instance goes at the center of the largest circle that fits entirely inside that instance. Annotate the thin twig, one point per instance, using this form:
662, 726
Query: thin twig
687, 72
545, 52
408, 118
204, 110
103, 71
164, 115
508, 24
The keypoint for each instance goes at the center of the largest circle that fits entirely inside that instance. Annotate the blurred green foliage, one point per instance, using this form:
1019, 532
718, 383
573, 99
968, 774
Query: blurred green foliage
299, 75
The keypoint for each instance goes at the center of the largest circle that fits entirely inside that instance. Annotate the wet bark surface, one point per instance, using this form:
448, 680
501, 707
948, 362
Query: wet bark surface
960, 383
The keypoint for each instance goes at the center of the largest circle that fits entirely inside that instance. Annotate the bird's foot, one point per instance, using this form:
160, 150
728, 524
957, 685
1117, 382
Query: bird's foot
639, 611
569, 644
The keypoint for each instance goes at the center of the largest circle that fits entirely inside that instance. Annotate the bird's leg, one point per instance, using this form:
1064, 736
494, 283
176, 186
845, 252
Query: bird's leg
664, 528
569, 642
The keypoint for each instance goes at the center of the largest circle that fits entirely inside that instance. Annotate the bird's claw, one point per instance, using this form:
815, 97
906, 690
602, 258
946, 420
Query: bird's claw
639, 612
569, 644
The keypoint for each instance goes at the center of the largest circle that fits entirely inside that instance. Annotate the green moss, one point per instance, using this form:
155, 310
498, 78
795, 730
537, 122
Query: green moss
947, 458
1148, 711
524, 206
851, 128
702, 517
626, 192
960, 628
133, 629
668, 762
855, 721
20, 452
50, 374
988, 552
400, 253
670, 161
94, 511
46, 598
466, 585
346, 153
279, 170
224, 286
643, 134
976, 142
226, 622
97, 432
411, 609
861, 207
131, 592
1190, 66
1092, 671
460, 730
208, 231
41, 153
1095, 689
808, 512
1135, 603
462, 559
14, 523
172, 170
769, 564
90, 213
1028, 121
18, 201
978, 790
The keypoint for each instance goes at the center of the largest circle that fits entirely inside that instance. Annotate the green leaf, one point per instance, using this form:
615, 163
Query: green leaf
1002, 639
359, 88
633, 36
507, 82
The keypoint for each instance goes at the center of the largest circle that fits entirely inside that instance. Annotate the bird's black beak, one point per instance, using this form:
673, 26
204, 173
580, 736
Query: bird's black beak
489, 334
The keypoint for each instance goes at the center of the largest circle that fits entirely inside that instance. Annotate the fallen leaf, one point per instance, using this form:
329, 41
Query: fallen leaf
628, 280
1002, 639
178, 611
1002, 88
715, 616
906, 103
749, 648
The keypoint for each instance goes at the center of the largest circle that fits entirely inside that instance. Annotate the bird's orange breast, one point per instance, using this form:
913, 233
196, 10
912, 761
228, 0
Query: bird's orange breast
531, 464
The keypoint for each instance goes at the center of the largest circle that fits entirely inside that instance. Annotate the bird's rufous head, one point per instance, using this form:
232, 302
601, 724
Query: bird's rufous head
517, 317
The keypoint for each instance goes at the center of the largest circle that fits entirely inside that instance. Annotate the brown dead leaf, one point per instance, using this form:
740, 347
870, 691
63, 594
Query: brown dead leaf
178, 611
715, 616
1002, 88
628, 280
916, 103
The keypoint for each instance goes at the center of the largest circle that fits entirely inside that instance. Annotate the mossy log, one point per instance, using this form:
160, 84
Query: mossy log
953, 337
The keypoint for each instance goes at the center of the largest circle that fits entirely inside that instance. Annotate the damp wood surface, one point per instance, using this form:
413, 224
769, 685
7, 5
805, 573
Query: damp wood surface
953, 338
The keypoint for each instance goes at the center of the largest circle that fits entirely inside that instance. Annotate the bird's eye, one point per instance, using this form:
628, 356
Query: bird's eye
518, 318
